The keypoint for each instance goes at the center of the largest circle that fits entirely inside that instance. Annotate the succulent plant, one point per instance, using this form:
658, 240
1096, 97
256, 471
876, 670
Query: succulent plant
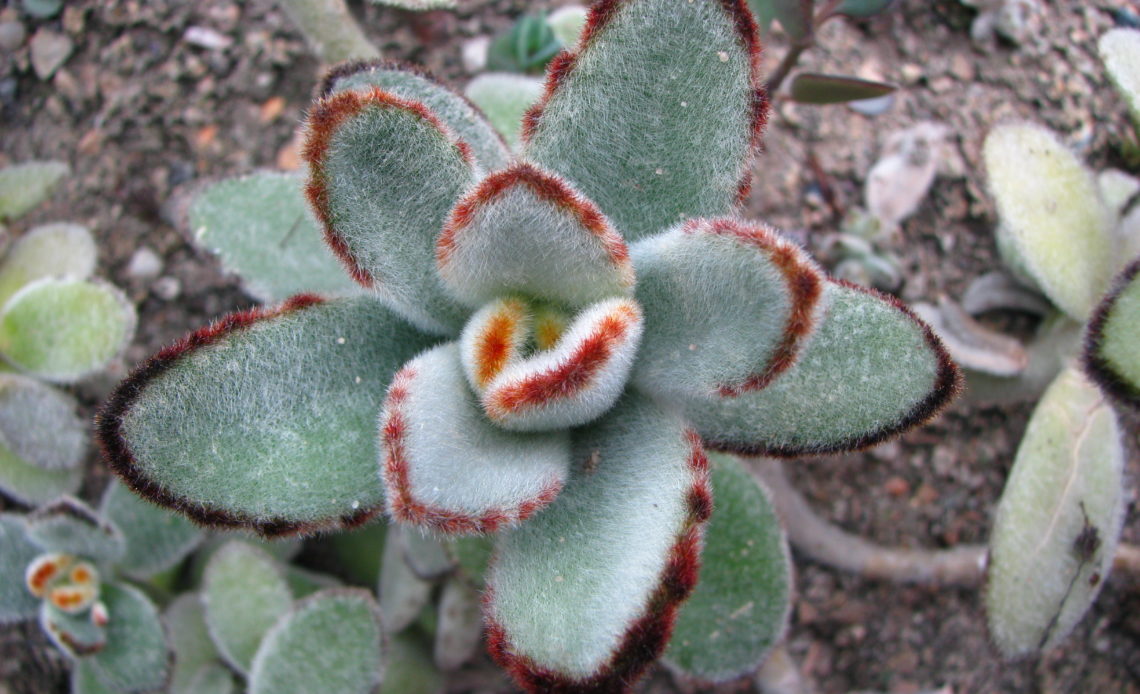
74, 568
1060, 516
550, 344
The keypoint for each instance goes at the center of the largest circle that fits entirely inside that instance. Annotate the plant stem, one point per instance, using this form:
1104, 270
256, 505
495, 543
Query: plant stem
330, 29
790, 59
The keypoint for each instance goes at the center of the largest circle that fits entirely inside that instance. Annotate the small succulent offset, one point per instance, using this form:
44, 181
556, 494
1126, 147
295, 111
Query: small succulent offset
75, 569
1060, 517
551, 343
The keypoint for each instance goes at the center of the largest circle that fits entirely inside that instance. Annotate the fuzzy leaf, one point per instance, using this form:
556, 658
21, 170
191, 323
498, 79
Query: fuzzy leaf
156, 538
76, 635
410, 83
728, 307
39, 424
1110, 354
740, 607
410, 668
1053, 220
16, 602
584, 594
85, 681
505, 98
577, 379
816, 88
32, 485
1045, 568
136, 657
447, 468
402, 593
526, 231
51, 250
304, 583
472, 554
212, 678
64, 329
244, 593
1120, 51
460, 625
26, 185
70, 526
384, 173
657, 116
331, 641
190, 641
261, 228
424, 553
870, 371
281, 402
497, 335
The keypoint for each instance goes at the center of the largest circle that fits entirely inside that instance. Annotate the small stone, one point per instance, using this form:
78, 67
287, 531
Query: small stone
912, 73
897, 486
74, 19
207, 38
167, 288
145, 264
49, 51
12, 35
475, 54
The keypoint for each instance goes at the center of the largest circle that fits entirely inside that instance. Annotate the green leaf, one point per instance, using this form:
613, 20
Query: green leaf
567, 22
1053, 219
212, 679
1110, 354
1120, 51
505, 98
39, 424
32, 485
16, 602
1058, 521
816, 88
794, 16
657, 117
70, 526
190, 641
85, 681
583, 595
473, 554
728, 307
410, 668
870, 371
76, 635
402, 593
410, 83
384, 173
489, 247
304, 583
156, 538
331, 641
261, 228
64, 329
862, 8
136, 657
266, 419
460, 626
740, 607
424, 552
26, 185
51, 250
527, 46
358, 552
244, 594
449, 469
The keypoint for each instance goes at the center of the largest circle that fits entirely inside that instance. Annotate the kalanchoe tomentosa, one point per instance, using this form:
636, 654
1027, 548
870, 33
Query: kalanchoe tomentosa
564, 331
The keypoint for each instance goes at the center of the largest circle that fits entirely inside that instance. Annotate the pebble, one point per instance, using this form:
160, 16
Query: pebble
49, 51
897, 486
167, 288
12, 35
144, 264
206, 37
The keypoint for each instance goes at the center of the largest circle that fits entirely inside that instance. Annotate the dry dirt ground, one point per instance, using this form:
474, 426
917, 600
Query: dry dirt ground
143, 107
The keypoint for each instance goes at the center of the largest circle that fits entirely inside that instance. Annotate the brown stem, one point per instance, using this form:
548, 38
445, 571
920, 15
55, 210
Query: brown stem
790, 59
330, 29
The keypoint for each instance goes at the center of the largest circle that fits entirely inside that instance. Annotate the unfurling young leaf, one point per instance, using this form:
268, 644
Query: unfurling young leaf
1058, 520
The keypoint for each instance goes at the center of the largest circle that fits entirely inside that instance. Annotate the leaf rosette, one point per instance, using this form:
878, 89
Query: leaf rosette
550, 343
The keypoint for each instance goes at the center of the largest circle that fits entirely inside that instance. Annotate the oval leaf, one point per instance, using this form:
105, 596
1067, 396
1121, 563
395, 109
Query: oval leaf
1111, 356
1058, 521
505, 98
16, 602
26, 185
244, 594
402, 593
190, 641
339, 629
136, 657
740, 607
816, 88
39, 424
31, 484
1120, 51
70, 526
156, 538
51, 250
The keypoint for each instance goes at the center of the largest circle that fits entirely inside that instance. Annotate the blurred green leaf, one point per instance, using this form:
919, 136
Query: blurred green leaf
157, 538
51, 250
26, 185
815, 88
862, 8
526, 47
793, 15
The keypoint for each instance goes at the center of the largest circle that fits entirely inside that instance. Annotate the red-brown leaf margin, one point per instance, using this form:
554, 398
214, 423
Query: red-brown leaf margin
120, 459
325, 118
947, 385
602, 12
646, 638
1095, 365
402, 504
549, 188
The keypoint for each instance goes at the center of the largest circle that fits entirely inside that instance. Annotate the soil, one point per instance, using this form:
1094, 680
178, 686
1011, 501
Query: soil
148, 105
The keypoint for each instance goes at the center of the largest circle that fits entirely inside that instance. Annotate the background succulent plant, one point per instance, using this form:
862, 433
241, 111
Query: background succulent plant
550, 344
